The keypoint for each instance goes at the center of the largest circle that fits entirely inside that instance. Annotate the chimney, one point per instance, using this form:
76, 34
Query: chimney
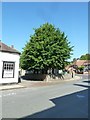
12, 46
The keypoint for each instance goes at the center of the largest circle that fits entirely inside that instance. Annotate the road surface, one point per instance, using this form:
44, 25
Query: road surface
67, 99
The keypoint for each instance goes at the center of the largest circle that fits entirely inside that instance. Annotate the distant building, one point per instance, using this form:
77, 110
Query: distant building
78, 63
9, 64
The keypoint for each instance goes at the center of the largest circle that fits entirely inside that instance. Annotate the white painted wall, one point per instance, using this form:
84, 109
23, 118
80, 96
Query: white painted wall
10, 57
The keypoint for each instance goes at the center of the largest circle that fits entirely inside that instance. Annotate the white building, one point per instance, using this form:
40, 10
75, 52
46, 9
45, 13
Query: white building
9, 64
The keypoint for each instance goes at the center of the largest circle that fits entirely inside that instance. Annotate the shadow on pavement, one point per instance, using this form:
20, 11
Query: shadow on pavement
88, 81
82, 85
34, 77
70, 106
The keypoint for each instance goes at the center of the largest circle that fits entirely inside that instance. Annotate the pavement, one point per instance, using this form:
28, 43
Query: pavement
7, 87
27, 83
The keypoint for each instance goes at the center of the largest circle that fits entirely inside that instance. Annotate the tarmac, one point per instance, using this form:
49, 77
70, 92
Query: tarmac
28, 83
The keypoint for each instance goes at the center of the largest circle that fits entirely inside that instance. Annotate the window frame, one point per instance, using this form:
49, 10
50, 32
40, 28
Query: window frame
4, 69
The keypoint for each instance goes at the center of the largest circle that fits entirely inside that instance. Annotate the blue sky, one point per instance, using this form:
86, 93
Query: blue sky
19, 19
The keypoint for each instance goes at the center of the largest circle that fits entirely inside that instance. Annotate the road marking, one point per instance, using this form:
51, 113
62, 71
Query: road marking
13, 93
9, 94
80, 96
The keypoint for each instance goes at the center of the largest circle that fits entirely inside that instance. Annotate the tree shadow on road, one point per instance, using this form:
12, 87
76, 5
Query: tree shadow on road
69, 106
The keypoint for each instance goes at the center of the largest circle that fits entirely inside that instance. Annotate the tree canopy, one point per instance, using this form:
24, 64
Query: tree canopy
85, 57
47, 48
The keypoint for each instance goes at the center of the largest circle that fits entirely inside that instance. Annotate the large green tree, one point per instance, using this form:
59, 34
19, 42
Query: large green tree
47, 48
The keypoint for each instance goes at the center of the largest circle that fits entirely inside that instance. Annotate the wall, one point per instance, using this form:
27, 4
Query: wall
10, 57
47, 77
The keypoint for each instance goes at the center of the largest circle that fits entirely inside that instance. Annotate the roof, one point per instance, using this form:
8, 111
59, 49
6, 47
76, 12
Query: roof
5, 48
81, 62
78, 63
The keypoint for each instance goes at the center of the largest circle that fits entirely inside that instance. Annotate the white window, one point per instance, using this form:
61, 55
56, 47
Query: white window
8, 69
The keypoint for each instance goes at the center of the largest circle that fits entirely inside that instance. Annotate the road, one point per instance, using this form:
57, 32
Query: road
67, 99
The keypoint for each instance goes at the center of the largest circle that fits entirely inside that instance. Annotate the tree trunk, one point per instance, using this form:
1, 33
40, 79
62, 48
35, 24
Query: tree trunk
52, 70
34, 71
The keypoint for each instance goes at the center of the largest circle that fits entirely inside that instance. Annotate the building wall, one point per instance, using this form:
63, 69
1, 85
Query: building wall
9, 57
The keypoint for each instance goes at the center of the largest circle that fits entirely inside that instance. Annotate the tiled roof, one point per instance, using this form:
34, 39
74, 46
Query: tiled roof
81, 62
5, 48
